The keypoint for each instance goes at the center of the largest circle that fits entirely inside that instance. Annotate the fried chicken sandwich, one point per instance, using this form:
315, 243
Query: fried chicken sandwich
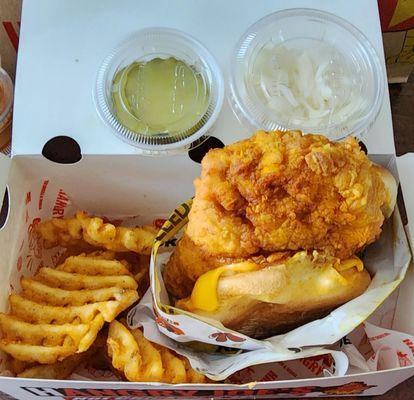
275, 229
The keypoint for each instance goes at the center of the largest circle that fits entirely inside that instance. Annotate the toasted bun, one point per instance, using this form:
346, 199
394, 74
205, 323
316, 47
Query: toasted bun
261, 319
279, 298
391, 188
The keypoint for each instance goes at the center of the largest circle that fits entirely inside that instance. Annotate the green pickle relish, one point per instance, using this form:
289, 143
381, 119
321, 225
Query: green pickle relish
160, 96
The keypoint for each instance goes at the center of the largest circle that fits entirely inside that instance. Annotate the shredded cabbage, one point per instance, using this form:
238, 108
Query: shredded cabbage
309, 87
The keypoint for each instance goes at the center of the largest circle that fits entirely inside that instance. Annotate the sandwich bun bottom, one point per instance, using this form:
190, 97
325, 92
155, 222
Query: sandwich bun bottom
276, 299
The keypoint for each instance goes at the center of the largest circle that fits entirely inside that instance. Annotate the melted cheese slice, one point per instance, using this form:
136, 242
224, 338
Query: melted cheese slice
204, 296
350, 263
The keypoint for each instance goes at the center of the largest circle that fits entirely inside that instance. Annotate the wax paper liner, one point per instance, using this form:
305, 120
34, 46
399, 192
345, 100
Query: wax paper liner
387, 261
367, 348
219, 363
386, 349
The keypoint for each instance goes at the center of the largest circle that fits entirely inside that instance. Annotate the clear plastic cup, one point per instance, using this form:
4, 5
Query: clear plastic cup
297, 31
6, 102
147, 45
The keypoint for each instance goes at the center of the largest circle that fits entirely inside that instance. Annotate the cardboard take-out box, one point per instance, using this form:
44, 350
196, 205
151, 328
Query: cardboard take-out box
148, 187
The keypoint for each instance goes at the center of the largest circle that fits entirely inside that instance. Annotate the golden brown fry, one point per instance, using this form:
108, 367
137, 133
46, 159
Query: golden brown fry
174, 367
124, 351
60, 312
59, 370
33, 312
93, 230
59, 297
38, 353
17, 366
192, 375
59, 231
94, 265
142, 361
152, 369
47, 334
70, 281
139, 267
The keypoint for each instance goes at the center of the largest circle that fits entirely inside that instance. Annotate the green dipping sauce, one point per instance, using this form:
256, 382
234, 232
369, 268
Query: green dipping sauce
161, 96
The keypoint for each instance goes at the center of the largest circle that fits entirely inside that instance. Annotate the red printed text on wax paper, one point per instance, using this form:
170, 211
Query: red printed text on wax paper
42, 193
378, 337
410, 344
28, 198
62, 200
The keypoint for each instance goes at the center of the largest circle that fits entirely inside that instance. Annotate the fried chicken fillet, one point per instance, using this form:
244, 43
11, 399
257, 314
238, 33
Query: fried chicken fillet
280, 191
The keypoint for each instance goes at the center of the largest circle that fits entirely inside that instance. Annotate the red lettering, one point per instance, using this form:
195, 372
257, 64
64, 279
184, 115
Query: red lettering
58, 211
101, 392
410, 344
286, 368
269, 376
314, 367
131, 392
73, 392
28, 198
42, 194
240, 393
303, 390
264, 392
60, 204
163, 393
189, 393
382, 335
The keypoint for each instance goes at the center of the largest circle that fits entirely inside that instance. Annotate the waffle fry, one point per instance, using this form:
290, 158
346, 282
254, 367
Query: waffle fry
124, 351
94, 231
59, 370
16, 366
192, 375
60, 311
142, 361
174, 368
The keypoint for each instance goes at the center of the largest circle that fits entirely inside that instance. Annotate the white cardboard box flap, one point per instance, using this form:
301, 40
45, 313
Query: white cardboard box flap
405, 166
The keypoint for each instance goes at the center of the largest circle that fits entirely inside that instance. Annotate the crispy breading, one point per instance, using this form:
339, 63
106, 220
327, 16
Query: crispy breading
286, 191
280, 191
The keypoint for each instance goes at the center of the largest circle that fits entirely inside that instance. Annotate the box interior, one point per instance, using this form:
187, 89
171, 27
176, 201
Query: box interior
147, 187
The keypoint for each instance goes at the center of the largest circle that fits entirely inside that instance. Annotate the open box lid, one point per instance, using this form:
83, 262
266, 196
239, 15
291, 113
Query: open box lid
42, 63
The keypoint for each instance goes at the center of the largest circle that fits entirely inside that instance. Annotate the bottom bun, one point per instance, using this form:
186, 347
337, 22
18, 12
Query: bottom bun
277, 299
260, 319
